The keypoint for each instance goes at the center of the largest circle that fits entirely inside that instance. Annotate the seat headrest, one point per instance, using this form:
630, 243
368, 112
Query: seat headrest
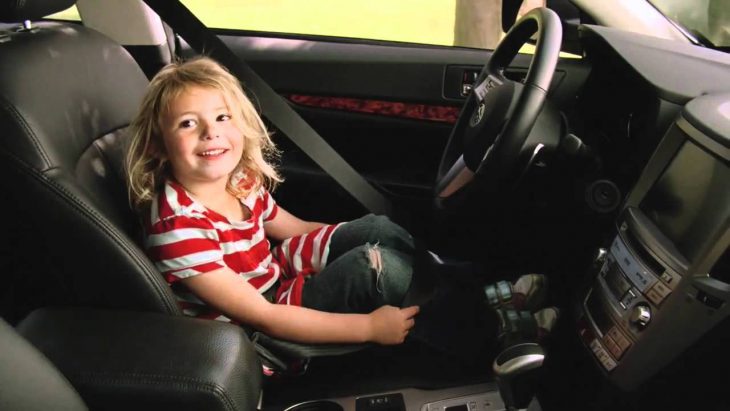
12, 11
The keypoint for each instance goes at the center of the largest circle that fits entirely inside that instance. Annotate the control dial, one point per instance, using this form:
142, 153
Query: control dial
640, 315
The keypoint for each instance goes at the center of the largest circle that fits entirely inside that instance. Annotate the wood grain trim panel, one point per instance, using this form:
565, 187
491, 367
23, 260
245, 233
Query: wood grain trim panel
444, 114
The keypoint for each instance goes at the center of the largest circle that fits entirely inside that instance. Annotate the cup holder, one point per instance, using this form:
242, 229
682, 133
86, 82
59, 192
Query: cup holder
319, 405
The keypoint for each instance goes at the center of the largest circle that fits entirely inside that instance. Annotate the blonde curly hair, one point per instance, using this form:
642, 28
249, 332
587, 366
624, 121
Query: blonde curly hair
146, 165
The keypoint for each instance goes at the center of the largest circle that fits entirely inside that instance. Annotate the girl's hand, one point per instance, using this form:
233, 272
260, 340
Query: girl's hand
390, 325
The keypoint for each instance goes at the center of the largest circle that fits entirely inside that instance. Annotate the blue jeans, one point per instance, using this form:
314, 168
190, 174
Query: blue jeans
370, 264
455, 320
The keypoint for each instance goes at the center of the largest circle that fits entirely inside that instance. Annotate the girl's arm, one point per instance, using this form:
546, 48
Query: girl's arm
226, 291
286, 225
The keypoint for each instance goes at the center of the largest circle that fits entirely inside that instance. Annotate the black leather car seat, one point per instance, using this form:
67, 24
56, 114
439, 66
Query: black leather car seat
67, 94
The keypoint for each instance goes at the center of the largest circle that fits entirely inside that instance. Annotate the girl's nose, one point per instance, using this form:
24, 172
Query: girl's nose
209, 131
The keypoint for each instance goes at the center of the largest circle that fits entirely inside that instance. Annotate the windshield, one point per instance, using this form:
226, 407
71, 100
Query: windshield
708, 20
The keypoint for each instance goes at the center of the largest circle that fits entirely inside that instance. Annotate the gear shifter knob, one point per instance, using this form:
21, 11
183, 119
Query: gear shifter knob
516, 369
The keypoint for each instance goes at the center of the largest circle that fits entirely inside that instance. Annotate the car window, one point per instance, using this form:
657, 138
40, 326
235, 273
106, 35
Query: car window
468, 23
707, 19
462, 23
71, 13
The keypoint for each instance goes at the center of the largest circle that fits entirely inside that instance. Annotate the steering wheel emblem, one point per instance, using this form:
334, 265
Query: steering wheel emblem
476, 118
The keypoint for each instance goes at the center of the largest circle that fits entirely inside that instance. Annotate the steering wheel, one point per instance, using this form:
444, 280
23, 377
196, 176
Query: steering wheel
499, 113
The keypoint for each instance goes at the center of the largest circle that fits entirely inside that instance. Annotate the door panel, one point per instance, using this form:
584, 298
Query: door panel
397, 153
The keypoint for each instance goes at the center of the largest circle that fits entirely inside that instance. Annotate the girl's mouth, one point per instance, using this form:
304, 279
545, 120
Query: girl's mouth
212, 153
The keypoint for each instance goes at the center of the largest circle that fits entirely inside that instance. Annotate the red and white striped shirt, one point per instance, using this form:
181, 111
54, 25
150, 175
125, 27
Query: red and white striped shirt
185, 239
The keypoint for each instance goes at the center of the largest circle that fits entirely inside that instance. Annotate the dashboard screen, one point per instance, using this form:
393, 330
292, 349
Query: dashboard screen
691, 199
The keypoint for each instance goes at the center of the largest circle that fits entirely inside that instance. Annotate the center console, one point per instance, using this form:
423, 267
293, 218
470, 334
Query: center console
662, 280
517, 368
479, 397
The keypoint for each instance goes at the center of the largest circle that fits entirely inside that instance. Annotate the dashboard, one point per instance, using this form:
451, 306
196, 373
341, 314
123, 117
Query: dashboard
637, 88
658, 113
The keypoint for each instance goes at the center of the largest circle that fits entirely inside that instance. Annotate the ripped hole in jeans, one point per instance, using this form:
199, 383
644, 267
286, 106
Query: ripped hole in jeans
376, 263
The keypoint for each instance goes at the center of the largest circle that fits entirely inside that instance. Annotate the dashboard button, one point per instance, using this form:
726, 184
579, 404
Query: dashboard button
662, 289
620, 339
654, 297
612, 347
602, 356
658, 293
667, 278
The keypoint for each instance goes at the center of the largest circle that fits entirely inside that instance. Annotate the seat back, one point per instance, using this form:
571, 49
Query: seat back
67, 94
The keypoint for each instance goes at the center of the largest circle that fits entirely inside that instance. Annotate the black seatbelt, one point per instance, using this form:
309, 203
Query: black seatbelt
273, 106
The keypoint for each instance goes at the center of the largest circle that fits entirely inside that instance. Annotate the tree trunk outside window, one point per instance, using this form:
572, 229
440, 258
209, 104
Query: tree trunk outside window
478, 23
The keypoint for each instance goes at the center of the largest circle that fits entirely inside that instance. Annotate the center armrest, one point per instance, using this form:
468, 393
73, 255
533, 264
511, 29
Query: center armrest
133, 360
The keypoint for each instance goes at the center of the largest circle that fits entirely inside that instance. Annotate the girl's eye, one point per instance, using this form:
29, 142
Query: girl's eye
224, 117
187, 123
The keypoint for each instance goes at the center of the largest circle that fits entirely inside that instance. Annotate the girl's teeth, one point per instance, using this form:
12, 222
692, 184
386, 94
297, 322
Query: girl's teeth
212, 153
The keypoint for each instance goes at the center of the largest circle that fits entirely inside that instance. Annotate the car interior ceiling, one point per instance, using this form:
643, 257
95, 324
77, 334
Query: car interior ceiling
113, 335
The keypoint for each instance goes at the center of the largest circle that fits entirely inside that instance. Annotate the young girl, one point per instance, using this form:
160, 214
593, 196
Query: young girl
198, 173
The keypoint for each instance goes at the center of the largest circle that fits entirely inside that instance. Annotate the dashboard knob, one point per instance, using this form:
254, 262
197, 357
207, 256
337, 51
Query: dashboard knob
601, 256
640, 315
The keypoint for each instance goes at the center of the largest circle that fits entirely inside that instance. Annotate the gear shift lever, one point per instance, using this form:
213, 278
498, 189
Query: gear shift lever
516, 368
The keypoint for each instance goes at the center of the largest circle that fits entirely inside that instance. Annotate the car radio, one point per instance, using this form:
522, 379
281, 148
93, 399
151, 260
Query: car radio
663, 278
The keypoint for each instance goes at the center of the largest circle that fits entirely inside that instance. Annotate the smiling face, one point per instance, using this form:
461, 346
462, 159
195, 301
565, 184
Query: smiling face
201, 139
